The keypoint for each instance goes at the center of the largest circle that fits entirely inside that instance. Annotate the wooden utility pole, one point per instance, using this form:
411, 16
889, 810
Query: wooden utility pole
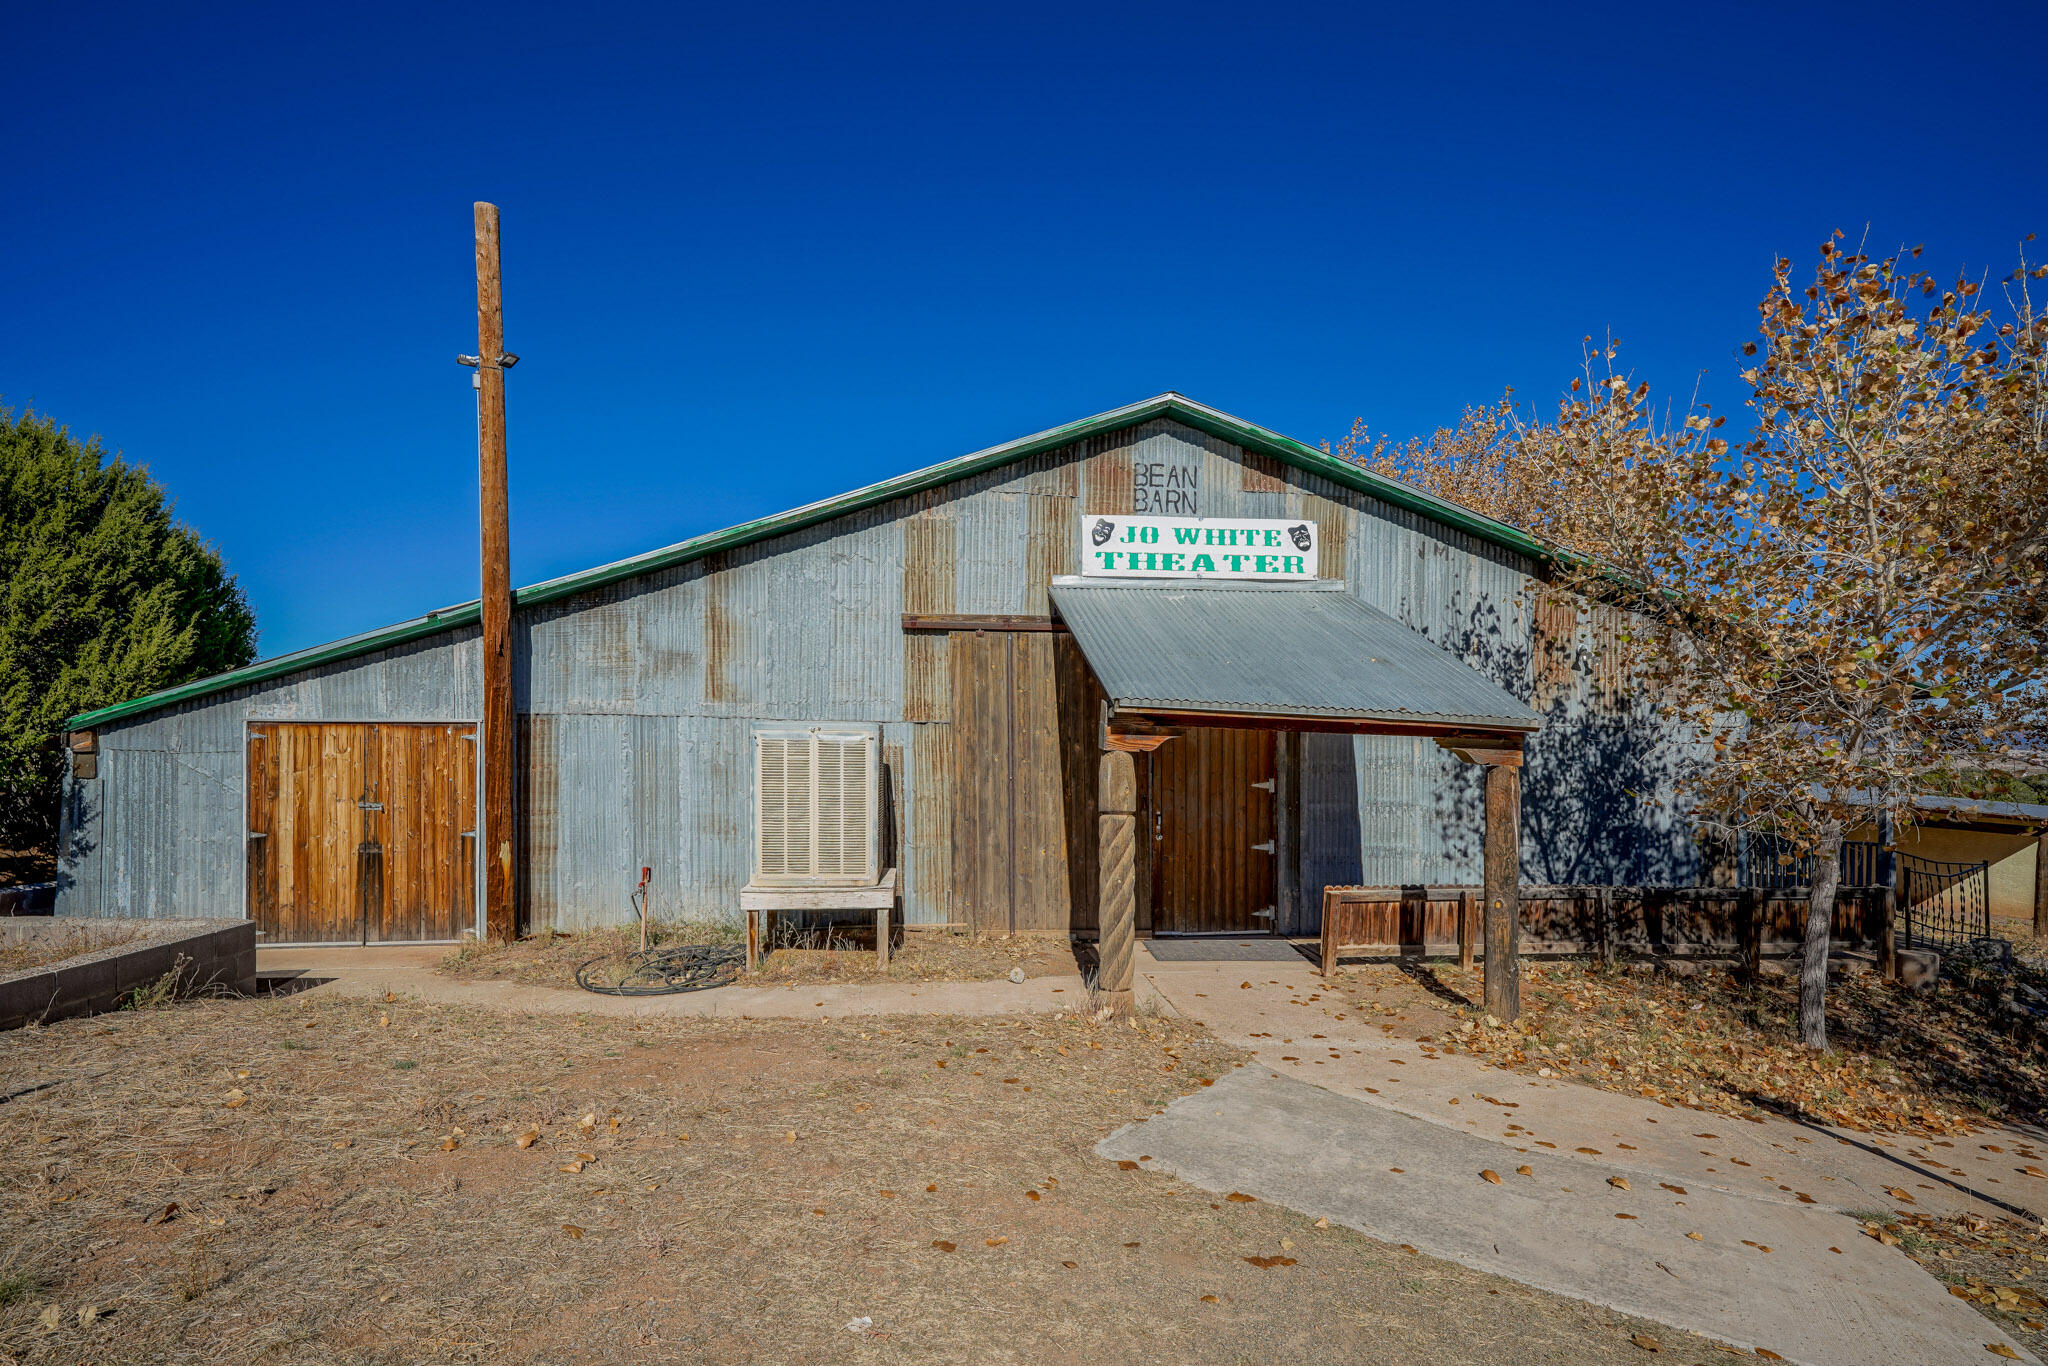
491, 362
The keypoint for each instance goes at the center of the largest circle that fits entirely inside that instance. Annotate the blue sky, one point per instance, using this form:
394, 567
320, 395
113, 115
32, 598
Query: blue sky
756, 255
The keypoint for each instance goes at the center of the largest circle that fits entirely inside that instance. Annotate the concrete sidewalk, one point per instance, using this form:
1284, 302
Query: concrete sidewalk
408, 970
1800, 1281
1337, 1106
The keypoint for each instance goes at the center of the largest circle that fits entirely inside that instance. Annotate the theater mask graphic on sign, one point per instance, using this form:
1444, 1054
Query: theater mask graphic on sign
1120, 547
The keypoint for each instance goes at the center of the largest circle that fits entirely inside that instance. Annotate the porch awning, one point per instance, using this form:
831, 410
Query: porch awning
1311, 651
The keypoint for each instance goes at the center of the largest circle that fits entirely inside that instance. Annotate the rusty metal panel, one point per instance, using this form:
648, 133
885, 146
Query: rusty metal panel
1106, 473
537, 794
928, 562
1052, 546
928, 834
1263, 474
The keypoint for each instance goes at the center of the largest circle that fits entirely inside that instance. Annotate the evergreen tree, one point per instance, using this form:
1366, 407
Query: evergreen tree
103, 597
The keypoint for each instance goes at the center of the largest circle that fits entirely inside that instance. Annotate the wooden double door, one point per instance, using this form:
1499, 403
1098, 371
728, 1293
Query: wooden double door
1214, 820
361, 832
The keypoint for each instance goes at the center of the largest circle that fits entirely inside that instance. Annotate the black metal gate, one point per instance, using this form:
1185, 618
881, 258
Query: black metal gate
1942, 905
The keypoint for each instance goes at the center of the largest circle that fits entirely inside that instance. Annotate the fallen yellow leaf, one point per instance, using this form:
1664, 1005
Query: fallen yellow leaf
1490, 1175
1620, 1183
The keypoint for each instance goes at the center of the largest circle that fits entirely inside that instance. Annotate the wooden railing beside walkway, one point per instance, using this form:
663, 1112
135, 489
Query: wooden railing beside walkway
1409, 922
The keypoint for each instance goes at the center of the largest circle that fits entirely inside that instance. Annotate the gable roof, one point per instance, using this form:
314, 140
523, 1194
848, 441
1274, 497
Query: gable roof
1173, 406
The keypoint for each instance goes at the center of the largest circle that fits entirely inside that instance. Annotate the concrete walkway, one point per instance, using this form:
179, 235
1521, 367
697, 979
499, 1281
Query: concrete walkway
409, 971
1336, 1107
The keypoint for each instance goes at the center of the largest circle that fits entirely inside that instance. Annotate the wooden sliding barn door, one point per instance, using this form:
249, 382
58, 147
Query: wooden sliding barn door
361, 833
1214, 827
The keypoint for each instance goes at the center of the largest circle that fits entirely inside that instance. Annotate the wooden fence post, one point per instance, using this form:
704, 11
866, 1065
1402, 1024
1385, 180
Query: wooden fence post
1750, 907
1603, 926
1116, 946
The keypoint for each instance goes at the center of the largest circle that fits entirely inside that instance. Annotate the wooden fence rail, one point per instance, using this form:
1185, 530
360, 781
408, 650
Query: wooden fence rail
1602, 921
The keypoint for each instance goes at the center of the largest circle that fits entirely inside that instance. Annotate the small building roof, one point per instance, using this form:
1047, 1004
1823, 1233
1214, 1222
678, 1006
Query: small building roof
1280, 650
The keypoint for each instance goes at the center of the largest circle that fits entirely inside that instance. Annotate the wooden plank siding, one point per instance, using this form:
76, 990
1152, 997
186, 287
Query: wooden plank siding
356, 831
1023, 847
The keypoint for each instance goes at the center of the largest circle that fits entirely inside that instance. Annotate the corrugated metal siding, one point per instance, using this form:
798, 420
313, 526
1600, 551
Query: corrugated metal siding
643, 696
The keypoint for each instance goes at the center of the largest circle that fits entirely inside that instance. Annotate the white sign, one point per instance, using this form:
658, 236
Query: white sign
1120, 547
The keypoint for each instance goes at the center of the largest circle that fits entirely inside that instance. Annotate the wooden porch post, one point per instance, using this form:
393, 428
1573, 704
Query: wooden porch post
2041, 886
1118, 910
1503, 883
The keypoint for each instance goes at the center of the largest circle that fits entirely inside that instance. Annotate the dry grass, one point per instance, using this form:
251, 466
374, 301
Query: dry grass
808, 956
294, 1180
551, 960
1937, 1063
923, 956
56, 940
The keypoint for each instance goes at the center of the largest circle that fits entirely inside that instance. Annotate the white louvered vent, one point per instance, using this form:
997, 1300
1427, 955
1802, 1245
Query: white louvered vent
814, 805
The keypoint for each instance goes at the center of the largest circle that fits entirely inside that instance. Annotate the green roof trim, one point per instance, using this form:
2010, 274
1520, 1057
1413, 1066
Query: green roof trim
1184, 410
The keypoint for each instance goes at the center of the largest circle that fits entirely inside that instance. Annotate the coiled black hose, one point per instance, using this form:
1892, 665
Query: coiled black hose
665, 972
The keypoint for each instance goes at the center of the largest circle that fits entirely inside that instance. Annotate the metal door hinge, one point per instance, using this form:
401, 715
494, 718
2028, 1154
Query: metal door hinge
1266, 914
468, 834
1266, 786
259, 834
1265, 848
369, 806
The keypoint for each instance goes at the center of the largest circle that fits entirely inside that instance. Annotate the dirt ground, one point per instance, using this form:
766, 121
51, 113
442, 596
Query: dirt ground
299, 1179
813, 956
1932, 1063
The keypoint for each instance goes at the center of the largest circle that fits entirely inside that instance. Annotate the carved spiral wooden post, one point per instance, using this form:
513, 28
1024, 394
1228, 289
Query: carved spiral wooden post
1118, 913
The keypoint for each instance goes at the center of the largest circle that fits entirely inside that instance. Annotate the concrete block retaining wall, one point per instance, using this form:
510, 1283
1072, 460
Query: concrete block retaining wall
219, 955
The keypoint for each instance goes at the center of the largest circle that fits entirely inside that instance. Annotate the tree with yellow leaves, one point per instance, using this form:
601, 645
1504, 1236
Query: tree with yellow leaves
1853, 603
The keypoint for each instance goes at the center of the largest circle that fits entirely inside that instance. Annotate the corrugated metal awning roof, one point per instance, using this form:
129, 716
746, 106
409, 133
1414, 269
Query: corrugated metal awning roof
1274, 650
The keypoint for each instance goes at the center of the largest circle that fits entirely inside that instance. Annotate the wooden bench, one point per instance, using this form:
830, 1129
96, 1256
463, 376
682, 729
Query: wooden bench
761, 902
